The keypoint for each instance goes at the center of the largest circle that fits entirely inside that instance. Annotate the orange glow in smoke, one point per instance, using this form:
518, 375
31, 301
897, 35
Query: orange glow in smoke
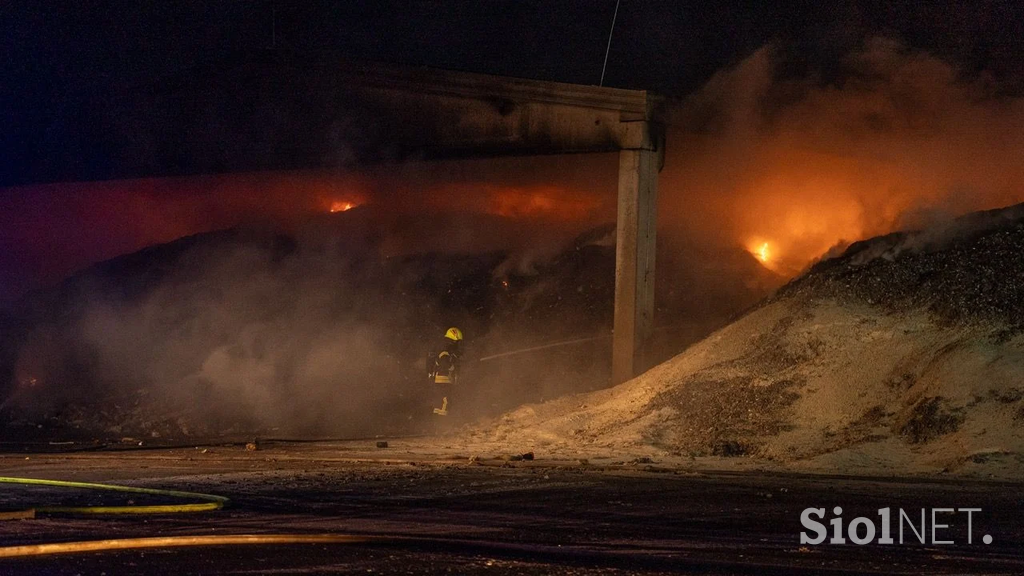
540, 201
806, 204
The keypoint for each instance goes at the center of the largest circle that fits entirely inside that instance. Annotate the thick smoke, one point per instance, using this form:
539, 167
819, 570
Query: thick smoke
902, 139
248, 330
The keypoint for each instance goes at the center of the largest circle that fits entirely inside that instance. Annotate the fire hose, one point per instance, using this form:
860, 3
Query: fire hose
561, 343
212, 502
545, 347
176, 542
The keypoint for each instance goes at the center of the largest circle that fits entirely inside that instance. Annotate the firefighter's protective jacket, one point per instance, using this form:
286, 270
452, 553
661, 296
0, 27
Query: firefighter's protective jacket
446, 366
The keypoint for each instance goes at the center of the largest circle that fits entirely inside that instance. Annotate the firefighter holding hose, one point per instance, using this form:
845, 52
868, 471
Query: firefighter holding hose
444, 368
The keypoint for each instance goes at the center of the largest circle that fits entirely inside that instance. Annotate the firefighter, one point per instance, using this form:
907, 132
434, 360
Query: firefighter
444, 373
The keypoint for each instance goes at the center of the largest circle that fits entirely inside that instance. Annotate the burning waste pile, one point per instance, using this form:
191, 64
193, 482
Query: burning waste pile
967, 270
315, 333
903, 354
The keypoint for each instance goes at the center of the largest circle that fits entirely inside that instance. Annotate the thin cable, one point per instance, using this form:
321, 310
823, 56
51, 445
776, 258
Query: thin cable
609, 47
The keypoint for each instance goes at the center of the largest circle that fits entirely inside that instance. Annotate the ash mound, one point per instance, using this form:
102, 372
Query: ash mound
325, 331
904, 354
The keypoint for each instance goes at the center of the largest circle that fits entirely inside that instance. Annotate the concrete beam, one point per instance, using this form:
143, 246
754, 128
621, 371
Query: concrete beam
292, 113
634, 261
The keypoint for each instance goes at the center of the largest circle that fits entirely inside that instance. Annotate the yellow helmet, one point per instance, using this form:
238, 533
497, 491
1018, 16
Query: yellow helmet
453, 333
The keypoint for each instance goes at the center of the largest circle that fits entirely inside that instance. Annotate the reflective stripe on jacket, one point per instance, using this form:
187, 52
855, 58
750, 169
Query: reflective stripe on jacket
444, 368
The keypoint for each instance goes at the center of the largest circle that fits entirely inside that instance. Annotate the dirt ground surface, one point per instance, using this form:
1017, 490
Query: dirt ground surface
429, 507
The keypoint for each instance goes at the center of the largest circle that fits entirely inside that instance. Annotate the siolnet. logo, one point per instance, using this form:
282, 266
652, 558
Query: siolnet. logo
862, 530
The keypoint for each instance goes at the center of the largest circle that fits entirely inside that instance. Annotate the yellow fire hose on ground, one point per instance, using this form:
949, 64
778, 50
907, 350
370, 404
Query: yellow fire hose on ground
176, 542
212, 502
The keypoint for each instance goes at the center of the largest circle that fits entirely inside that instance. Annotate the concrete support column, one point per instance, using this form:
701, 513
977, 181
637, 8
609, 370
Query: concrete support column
634, 261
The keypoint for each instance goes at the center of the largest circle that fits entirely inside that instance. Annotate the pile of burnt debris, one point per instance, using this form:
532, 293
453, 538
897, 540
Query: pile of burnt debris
970, 269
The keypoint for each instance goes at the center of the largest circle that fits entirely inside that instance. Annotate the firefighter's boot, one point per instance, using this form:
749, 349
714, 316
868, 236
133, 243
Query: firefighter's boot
443, 410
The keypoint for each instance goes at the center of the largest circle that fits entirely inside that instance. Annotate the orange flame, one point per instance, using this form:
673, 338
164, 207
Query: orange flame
762, 253
765, 252
339, 206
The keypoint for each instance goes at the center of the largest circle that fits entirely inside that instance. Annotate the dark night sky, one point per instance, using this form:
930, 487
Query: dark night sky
67, 67
64, 61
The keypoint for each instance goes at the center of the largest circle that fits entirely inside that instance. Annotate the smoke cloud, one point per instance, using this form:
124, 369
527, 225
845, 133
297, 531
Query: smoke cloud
52, 230
241, 331
902, 139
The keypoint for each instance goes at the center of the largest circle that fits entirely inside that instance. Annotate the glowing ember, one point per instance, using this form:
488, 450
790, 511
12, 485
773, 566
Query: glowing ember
341, 206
